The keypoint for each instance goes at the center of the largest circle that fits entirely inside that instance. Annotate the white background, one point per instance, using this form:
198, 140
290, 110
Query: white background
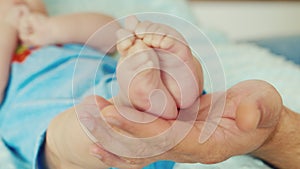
249, 20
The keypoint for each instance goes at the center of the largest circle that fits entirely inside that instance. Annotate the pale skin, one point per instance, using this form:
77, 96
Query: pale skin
68, 146
156, 57
22, 17
8, 42
37, 29
264, 136
8, 31
27, 20
254, 122
11, 12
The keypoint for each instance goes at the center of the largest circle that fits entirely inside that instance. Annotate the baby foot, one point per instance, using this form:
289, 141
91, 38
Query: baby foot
36, 30
139, 77
15, 14
180, 71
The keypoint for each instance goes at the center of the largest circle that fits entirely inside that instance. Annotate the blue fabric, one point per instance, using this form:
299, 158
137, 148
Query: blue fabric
287, 47
38, 163
48, 82
159, 164
38, 157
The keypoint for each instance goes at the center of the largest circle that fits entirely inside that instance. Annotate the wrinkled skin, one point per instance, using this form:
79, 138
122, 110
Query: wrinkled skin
250, 117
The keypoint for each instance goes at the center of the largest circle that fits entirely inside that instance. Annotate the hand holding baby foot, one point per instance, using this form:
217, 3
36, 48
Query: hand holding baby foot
252, 113
179, 77
36, 30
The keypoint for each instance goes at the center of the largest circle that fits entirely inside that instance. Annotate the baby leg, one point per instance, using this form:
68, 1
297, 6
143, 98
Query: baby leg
8, 42
36, 6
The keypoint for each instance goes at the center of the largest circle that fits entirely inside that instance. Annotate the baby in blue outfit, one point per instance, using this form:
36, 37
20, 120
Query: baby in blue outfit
37, 118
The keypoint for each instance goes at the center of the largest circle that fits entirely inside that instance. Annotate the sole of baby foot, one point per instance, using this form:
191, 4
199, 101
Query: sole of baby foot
180, 71
139, 74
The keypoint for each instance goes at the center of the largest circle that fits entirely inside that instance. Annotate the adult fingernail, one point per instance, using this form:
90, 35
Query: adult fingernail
113, 122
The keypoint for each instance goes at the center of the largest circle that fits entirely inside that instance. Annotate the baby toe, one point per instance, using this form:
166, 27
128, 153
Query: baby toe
131, 22
126, 40
141, 29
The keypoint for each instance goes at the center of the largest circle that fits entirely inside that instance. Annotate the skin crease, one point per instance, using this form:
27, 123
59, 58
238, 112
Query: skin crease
269, 134
254, 121
151, 50
10, 13
8, 42
27, 21
253, 114
37, 29
18, 19
32, 28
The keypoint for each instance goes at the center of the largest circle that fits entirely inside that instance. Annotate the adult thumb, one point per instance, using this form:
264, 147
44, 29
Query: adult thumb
260, 109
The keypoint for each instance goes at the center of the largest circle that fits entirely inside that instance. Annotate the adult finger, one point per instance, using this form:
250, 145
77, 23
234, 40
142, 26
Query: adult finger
260, 109
111, 159
131, 22
103, 126
131, 121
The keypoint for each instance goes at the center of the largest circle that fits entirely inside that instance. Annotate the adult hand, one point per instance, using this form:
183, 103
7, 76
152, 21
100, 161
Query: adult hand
251, 114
